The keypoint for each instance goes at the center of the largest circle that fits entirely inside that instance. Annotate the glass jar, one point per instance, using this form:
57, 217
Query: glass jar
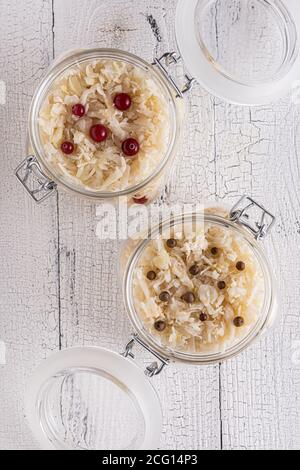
236, 222
40, 177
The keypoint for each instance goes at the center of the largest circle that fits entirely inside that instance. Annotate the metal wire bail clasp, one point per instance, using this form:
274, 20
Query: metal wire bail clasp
39, 186
241, 213
152, 369
165, 61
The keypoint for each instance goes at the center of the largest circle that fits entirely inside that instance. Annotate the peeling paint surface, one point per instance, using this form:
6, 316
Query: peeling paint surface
59, 284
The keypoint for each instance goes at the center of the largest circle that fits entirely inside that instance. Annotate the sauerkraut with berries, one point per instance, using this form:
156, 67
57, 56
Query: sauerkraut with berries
200, 292
105, 125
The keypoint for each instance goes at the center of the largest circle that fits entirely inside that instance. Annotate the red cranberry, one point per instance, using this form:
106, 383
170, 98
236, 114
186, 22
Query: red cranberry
130, 147
98, 133
78, 110
142, 200
67, 148
122, 101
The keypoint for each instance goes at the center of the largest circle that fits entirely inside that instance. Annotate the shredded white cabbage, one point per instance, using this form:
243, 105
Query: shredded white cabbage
102, 166
242, 296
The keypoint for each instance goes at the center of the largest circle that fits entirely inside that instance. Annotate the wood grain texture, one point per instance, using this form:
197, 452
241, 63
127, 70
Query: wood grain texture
259, 387
255, 153
59, 283
28, 234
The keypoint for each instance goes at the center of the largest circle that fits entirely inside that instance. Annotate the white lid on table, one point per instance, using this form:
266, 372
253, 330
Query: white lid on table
245, 52
92, 399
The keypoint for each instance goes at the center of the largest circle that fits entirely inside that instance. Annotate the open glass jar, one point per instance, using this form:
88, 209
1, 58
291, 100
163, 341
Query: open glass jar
93, 398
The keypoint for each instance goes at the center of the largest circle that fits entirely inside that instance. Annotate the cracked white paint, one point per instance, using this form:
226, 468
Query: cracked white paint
54, 267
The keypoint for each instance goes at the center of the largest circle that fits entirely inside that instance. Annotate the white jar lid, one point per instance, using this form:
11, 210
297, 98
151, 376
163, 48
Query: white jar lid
244, 52
92, 399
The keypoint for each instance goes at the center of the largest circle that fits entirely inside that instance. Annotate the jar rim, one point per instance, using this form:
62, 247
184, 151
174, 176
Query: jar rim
59, 68
269, 303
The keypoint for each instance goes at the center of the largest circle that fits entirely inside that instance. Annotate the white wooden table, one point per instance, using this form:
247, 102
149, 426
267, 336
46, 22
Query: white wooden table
57, 287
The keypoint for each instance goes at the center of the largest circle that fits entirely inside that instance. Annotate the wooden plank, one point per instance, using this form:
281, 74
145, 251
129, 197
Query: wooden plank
255, 154
28, 233
92, 310
260, 389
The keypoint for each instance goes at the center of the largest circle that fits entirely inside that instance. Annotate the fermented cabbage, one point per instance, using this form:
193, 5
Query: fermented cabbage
102, 167
222, 292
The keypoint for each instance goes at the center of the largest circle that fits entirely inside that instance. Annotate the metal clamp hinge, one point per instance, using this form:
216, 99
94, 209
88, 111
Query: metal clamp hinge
165, 61
152, 369
45, 187
240, 213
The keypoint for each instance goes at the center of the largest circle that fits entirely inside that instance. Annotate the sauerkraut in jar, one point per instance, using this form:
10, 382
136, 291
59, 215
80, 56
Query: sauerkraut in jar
199, 291
104, 125
199, 288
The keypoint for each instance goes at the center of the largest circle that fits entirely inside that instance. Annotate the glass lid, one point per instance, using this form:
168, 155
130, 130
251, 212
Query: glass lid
92, 399
243, 51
